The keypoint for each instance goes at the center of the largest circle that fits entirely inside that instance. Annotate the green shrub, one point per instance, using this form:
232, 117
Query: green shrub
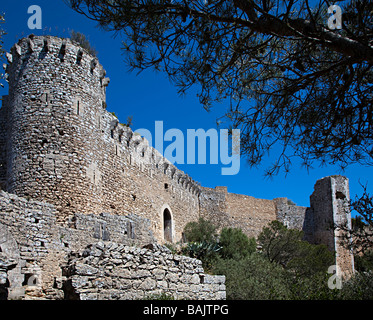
83, 41
359, 287
202, 230
253, 278
235, 244
285, 247
205, 251
364, 263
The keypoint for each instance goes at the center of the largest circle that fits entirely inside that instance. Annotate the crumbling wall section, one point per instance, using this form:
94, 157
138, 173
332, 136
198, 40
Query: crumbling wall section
96, 257
108, 271
30, 236
295, 217
330, 207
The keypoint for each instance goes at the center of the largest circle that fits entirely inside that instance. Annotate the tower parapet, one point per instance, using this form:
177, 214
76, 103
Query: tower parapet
65, 148
56, 92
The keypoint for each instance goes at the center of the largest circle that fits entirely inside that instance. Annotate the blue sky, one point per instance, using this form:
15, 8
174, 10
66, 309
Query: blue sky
150, 97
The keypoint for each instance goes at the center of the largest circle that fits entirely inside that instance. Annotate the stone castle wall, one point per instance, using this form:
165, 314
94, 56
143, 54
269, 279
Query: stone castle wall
65, 148
330, 206
3, 135
59, 144
42, 259
237, 211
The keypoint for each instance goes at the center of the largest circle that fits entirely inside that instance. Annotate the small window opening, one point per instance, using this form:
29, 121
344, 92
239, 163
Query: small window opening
45, 46
340, 195
62, 52
201, 279
79, 57
131, 230
166, 186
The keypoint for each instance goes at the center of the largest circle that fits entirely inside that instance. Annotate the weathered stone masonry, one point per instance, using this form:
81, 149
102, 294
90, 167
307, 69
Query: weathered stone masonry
97, 257
84, 177
111, 271
62, 146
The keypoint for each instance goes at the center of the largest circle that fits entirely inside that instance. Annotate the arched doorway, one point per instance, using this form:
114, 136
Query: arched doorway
167, 225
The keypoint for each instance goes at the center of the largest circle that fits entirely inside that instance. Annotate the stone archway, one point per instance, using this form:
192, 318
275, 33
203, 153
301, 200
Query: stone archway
167, 224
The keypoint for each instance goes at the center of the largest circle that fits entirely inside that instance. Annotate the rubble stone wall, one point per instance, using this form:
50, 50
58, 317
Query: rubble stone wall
40, 258
108, 271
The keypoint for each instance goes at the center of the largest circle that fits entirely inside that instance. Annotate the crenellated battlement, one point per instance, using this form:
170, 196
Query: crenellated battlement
77, 155
132, 145
67, 54
65, 51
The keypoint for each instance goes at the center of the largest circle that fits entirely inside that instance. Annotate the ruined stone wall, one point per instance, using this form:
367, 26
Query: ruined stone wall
249, 213
295, 217
65, 148
96, 257
330, 209
236, 211
30, 236
108, 271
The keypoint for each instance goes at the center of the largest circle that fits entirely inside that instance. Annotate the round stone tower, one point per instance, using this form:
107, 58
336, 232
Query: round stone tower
53, 110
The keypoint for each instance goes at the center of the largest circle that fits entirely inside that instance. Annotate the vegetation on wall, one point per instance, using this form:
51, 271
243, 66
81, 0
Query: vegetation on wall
83, 41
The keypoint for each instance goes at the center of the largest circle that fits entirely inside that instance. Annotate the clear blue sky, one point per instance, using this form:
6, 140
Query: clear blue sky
150, 97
